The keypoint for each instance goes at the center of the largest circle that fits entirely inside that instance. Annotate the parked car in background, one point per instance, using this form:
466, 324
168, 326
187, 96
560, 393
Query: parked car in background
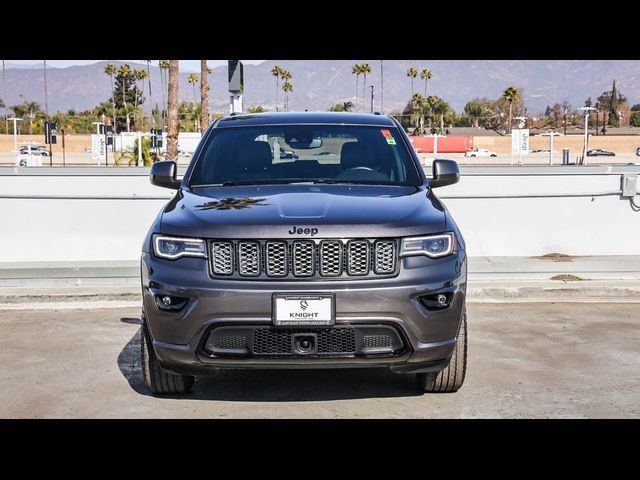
638, 151
480, 152
35, 148
598, 152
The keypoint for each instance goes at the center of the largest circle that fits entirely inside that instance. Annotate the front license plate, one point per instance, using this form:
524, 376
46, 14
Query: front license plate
304, 310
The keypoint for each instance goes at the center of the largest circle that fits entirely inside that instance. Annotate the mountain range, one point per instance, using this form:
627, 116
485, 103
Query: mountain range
319, 84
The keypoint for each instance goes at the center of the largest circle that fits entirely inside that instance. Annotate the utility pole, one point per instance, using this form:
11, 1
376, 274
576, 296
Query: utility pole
586, 111
371, 87
564, 122
381, 87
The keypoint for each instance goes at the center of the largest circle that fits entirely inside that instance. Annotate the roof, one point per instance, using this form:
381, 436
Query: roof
335, 118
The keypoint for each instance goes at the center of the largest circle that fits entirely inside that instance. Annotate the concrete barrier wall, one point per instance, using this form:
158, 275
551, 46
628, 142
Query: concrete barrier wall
88, 214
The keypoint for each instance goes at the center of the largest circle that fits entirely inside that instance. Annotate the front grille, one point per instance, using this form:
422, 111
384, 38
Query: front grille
333, 341
230, 343
304, 259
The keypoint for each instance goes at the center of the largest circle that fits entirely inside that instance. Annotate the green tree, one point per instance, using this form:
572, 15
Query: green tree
139, 75
636, 107
110, 70
511, 94
634, 120
276, 71
426, 76
412, 73
255, 109
342, 107
475, 110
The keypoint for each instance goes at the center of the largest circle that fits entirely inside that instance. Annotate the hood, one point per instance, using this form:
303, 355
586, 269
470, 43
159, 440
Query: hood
303, 211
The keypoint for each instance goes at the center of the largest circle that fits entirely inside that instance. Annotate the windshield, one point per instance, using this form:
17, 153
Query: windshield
304, 153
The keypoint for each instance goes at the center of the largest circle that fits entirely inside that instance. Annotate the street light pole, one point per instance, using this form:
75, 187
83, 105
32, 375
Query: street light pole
550, 134
586, 111
371, 87
15, 133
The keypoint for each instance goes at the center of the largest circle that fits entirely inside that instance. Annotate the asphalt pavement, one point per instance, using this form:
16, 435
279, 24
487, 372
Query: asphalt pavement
526, 360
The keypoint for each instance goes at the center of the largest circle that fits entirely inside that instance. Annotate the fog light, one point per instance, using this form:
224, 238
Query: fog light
169, 302
436, 301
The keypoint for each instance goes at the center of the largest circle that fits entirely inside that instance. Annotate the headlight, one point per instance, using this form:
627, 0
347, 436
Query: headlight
174, 247
433, 246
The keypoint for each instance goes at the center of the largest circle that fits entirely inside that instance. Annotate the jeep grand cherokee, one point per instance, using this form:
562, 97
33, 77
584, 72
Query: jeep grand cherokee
338, 255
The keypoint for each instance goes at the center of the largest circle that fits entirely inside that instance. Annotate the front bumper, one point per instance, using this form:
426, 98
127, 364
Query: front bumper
428, 336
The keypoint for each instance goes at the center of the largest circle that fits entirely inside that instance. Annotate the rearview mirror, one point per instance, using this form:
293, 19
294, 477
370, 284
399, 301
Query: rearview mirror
445, 172
164, 174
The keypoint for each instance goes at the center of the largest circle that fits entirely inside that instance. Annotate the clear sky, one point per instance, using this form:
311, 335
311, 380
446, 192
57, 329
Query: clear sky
193, 65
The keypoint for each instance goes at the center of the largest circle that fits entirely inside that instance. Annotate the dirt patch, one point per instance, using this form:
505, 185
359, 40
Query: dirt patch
567, 277
556, 257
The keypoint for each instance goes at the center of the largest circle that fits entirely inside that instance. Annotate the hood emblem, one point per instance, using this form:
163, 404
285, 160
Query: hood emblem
303, 231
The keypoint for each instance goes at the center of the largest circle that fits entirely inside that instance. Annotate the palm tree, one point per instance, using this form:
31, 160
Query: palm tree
426, 76
287, 87
150, 98
4, 92
193, 79
285, 76
125, 72
475, 109
204, 94
110, 70
366, 70
357, 71
412, 73
276, 71
163, 65
32, 108
139, 74
172, 133
511, 95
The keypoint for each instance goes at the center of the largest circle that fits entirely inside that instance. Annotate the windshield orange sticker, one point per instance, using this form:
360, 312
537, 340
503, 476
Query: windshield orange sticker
386, 133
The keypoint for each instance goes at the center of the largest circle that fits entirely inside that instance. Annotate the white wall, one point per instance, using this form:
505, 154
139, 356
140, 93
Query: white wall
83, 225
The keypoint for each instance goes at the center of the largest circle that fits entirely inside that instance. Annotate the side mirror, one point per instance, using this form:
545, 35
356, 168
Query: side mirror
445, 172
164, 174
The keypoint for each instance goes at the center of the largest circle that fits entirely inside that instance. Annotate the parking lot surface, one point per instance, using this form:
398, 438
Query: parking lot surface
525, 361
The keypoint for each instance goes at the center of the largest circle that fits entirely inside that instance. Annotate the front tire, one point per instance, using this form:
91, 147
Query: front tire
451, 378
157, 379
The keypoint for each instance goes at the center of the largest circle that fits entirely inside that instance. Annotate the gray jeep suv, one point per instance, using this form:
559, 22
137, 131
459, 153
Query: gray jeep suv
338, 255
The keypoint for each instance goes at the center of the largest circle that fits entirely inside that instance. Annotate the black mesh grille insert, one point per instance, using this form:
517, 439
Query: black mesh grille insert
231, 343
377, 342
333, 341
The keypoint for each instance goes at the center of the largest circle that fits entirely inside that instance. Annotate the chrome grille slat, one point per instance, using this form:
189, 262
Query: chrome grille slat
277, 259
330, 256
385, 256
304, 259
249, 259
358, 257
222, 258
